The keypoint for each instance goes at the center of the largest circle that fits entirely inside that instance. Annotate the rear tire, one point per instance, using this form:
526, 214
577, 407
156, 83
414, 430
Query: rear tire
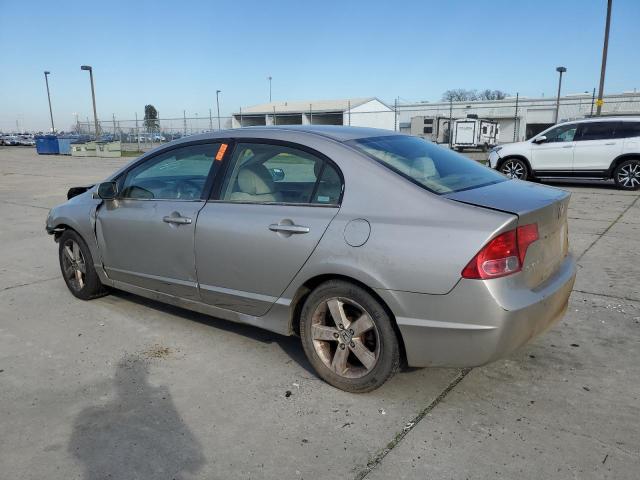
76, 265
348, 337
627, 175
515, 168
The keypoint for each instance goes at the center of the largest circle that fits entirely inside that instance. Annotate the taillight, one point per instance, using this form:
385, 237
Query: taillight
503, 255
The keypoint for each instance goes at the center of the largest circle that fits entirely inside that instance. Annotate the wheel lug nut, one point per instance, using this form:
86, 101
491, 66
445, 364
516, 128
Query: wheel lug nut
352, 344
341, 326
342, 346
335, 335
351, 331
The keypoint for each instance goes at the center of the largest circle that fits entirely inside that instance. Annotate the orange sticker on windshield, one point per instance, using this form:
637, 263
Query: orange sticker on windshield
221, 150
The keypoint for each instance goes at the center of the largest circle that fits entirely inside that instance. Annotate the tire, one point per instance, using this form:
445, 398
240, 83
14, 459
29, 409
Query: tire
515, 168
76, 265
335, 353
627, 175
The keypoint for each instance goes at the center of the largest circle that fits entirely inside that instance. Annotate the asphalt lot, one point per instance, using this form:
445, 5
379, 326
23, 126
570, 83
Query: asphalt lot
122, 387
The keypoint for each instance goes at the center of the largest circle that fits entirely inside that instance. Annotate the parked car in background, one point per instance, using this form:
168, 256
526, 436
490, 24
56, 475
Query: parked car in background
597, 148
377, 248
9, 140
26, 140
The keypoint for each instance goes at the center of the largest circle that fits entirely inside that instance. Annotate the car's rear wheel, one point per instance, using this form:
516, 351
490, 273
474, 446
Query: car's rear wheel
515, 168
348, 337
627, 175
77, 267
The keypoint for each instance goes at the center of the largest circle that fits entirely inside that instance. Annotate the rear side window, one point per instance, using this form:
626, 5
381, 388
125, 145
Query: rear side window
627, 130
595, 131
437, 169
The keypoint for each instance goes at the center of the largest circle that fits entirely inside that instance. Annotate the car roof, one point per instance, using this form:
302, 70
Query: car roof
606, 119
339, 133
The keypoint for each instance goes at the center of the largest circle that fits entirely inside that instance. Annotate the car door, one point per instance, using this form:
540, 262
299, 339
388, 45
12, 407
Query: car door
146, 234
596, 146
555, 154
275, 203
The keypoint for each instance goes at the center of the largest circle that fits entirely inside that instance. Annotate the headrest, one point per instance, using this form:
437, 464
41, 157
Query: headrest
255, 180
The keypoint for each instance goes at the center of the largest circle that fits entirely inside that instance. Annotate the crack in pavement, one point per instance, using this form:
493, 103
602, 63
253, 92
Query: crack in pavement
377, 459
24, 205
608, 228
605, 295
11, 287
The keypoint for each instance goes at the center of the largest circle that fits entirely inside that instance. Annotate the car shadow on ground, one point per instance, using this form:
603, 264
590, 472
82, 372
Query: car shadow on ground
138, 434
289, 344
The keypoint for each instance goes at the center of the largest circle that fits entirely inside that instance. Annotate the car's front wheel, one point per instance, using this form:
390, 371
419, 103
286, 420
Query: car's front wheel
348, 337
515, 168
627, 175
77, 267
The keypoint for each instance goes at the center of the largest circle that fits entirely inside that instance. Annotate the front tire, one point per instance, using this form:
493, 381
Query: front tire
76, 265
627, 175
348, 337
515, 168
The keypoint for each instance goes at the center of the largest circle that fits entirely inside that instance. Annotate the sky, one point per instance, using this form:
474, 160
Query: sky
175, 55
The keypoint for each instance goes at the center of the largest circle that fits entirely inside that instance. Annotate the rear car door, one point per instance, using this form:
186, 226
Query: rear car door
146, 234
275, 203
556, 153
596, 146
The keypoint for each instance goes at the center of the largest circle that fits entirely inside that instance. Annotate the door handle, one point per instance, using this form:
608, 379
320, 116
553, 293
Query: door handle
277, 227
177, 220
568, 146
610, 143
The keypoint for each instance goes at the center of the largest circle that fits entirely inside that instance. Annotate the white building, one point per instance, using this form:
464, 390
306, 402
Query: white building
360, 112
517, 122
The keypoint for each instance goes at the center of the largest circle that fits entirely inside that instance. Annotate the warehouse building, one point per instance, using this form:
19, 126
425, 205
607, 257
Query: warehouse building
518, 119
360, 112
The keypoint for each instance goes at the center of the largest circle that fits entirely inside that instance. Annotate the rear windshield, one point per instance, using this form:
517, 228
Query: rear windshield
435, 168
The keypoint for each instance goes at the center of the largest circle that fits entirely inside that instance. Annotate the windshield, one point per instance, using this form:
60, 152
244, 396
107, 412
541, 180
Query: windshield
437, 169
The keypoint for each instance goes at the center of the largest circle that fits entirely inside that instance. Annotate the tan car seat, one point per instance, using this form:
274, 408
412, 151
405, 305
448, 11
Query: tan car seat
255, 184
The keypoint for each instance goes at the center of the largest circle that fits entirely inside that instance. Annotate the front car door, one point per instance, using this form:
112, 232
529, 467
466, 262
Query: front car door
556, 153
275, 203
596, 146
146, 234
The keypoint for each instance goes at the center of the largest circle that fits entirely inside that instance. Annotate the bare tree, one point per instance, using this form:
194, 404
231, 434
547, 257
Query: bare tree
464, 95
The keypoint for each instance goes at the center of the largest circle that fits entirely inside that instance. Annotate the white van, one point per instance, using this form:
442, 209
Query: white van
474, 133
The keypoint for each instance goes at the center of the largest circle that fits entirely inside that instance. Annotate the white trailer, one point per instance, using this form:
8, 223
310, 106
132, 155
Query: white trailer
474, 133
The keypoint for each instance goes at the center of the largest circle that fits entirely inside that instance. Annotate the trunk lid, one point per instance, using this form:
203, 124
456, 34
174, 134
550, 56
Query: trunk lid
532, 203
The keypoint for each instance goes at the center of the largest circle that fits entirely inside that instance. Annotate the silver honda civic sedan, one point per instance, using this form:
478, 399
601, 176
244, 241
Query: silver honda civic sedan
377, 249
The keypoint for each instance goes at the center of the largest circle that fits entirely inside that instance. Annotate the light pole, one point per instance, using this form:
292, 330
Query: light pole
603, 68
46, 79
560, 70
93, 97
269, 78
218, 106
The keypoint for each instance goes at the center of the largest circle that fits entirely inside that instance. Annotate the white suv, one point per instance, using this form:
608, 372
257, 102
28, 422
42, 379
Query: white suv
601, 148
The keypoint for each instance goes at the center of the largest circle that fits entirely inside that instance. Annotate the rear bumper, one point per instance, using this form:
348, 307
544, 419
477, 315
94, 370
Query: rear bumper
478, 321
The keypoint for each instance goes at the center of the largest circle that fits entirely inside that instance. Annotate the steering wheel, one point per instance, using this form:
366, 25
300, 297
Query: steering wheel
187, 189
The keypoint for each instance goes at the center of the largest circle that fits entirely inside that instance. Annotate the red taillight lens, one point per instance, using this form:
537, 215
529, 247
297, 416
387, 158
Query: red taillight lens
503, 255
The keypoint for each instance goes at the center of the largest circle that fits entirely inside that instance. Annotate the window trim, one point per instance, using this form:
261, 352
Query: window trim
581, 126
209, 182
216, 191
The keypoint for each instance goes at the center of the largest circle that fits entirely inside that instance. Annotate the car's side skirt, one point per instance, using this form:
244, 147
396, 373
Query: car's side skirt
587, 174
275, 320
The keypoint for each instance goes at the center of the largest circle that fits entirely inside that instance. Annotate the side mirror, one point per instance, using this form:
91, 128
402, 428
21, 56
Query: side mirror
277, 174
107, 190
540, 139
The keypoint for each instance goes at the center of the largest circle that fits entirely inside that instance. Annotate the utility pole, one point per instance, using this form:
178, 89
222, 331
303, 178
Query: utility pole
395, 114
560, 70
113, 115
515, 118
311, 114
184, 119
349, 111
46, 79
275, 121
93, 97
218, 106
137, 132
450, 122
210, 122
269, 78
593, 99
240, 117
603, 68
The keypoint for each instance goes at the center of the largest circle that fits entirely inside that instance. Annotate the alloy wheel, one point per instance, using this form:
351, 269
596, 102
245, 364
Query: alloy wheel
73, 265
513, 169
629, 175
345, 337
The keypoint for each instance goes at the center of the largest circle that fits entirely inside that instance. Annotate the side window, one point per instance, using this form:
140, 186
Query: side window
595, 131
627, 130
563, 133
179, 174
265, 173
